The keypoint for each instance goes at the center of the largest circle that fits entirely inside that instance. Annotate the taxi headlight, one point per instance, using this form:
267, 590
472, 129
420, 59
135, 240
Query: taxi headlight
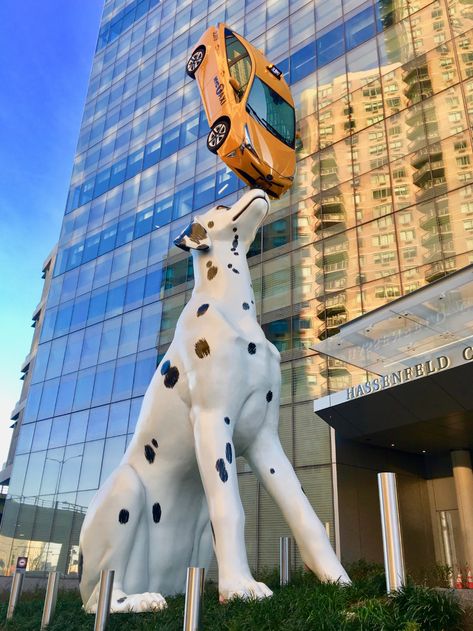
248, 143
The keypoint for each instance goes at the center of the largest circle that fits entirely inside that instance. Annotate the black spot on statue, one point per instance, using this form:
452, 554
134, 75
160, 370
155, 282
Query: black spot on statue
202, 348
222, 471
227, 420
269, 396
172, 377
202, 309
123, 516
252, 348
209, 264
271, 471
235, 229
229, 266
232, 250
235, 270
121, 600
155, 442
245, 306
149, 454
236, 254
210, 224
252, 302
228, 453
156, 510
165, 367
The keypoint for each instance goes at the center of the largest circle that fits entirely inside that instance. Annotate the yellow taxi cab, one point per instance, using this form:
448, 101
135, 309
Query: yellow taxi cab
249, 108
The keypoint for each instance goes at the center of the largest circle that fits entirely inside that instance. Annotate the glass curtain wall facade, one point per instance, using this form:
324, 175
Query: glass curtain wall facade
382, 204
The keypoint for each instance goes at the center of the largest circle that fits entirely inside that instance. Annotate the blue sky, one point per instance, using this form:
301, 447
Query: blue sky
46, 52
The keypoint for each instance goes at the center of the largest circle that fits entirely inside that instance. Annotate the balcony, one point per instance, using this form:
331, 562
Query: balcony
429, 171
330, 213
434, 216
415, 115
424, 155
334, 368
333, 305
434, 189
434, 236
439, 249
335, 271
331, 326
335, 253
421, 87
331, 268
439, 269
419, 143
415, 69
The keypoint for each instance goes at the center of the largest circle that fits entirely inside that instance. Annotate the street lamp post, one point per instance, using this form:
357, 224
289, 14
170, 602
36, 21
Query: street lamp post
61, 466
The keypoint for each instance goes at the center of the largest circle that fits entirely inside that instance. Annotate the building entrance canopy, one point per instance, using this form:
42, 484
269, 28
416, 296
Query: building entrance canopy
429, 322
422, 342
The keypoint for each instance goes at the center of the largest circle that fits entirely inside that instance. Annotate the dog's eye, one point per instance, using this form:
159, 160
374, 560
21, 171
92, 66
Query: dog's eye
221, 207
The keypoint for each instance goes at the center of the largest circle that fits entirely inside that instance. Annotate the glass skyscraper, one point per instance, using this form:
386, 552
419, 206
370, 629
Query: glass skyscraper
382, 204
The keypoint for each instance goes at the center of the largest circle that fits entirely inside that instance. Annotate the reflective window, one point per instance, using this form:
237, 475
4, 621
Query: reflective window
271, 111
48, 398
98, 419
91, 465
77, 427
239, 64
113, 452
59, 430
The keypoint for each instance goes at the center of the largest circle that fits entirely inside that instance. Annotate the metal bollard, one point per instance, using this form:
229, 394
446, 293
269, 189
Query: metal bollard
445, 528
50, 599
194, 591
15, 591
391, 527
105, 597
284, 560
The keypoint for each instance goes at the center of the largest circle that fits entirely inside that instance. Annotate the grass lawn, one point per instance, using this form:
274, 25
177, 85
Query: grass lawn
305, 605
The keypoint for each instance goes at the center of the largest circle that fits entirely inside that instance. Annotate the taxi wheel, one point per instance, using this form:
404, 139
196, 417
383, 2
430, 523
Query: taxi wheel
195, 60
217, 135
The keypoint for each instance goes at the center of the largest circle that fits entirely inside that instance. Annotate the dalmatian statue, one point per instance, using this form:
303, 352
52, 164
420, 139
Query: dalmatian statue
214, 396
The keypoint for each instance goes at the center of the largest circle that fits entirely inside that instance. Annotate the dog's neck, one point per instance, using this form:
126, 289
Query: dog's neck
222, 276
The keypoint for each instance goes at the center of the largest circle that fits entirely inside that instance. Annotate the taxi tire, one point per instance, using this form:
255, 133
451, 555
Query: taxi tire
218, 134
195, 60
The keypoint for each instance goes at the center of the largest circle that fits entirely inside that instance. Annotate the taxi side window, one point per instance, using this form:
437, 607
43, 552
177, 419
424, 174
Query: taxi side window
239, 64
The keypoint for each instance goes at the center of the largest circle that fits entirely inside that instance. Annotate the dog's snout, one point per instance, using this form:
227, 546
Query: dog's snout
259, 194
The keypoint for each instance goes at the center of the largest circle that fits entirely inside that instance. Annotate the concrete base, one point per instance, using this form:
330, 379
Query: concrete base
32, 583
464, 596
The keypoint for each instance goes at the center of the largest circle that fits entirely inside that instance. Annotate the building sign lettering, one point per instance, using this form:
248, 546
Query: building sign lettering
423, 369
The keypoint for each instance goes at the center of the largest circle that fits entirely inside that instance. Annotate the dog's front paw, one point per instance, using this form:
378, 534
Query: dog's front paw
248, 589
138, 603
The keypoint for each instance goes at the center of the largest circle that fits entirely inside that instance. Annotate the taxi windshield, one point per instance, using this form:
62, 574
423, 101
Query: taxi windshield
272, 111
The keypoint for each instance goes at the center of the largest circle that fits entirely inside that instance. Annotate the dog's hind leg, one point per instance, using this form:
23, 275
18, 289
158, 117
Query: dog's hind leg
108, 537
273, 469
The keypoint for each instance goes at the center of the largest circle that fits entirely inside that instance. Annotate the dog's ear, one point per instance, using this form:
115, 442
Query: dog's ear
194, 237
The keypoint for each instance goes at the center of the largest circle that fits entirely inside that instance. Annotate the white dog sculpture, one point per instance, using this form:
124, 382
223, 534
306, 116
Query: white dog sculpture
215, 396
